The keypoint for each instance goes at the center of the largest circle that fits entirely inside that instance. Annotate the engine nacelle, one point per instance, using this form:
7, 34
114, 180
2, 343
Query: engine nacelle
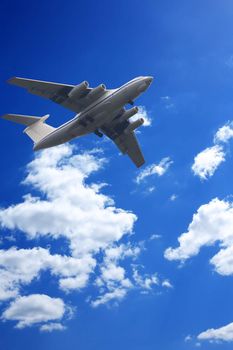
78, 90
135, 125
128, 114
97, 92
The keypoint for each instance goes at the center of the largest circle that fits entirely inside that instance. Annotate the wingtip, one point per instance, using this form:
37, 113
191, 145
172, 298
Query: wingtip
4, 116
139, 165
12, 80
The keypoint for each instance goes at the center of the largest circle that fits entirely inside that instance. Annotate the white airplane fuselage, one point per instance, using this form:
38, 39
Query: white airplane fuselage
104, 110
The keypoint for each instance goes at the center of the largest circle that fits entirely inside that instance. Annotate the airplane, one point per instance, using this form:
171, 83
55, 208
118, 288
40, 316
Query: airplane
99, 110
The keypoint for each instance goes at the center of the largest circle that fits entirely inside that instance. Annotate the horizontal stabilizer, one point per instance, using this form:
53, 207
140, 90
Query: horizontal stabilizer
36, 129
21, 119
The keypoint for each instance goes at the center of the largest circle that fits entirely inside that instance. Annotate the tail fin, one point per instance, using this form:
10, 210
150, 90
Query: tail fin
36, 129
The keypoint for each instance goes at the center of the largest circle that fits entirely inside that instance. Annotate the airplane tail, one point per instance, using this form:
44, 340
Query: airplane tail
36, 128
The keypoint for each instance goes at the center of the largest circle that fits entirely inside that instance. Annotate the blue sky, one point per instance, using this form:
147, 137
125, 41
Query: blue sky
89, 254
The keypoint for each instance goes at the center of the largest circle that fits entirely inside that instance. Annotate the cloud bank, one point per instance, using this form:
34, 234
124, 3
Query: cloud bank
62, 202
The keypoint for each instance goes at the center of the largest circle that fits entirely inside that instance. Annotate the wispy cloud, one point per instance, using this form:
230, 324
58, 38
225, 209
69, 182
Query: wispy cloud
154, 237
167, 102
173, 197
154, 169
229, 61
53, 326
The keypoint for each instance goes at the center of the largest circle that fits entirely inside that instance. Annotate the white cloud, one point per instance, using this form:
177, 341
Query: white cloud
173, 197
115, 285
88, 219
116, 295
167, 101
223, 260
224, 134
78, 211
53, 326
34, 309
188, 338
219, 334
112, 279
122, 251
19, 267
167, 284
154, 169
212, 224
67, 205
149, 190
146, 282
207, 161
154, 237
142, 113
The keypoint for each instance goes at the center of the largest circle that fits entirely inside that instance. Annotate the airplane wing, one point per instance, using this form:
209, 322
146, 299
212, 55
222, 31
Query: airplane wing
125, 141
58, 93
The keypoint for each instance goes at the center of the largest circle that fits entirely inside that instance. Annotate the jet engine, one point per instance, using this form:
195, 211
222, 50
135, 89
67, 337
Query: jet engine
78, 90
97, 92
135, 125
128, 114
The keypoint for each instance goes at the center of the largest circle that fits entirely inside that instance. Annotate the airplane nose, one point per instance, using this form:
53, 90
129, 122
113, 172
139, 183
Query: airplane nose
149, 79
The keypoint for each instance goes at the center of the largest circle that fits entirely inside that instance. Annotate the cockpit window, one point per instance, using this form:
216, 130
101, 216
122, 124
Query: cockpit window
135, 79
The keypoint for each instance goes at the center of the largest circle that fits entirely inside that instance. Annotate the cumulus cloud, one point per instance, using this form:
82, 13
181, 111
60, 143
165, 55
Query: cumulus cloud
62, 202
112, 280
146, 282
207, 161
19, 267
211, 224
224, 134
88, 219
219, 334
34, 309
154, 169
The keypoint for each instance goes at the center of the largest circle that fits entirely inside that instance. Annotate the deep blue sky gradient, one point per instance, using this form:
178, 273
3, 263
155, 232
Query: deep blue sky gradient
187, 46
